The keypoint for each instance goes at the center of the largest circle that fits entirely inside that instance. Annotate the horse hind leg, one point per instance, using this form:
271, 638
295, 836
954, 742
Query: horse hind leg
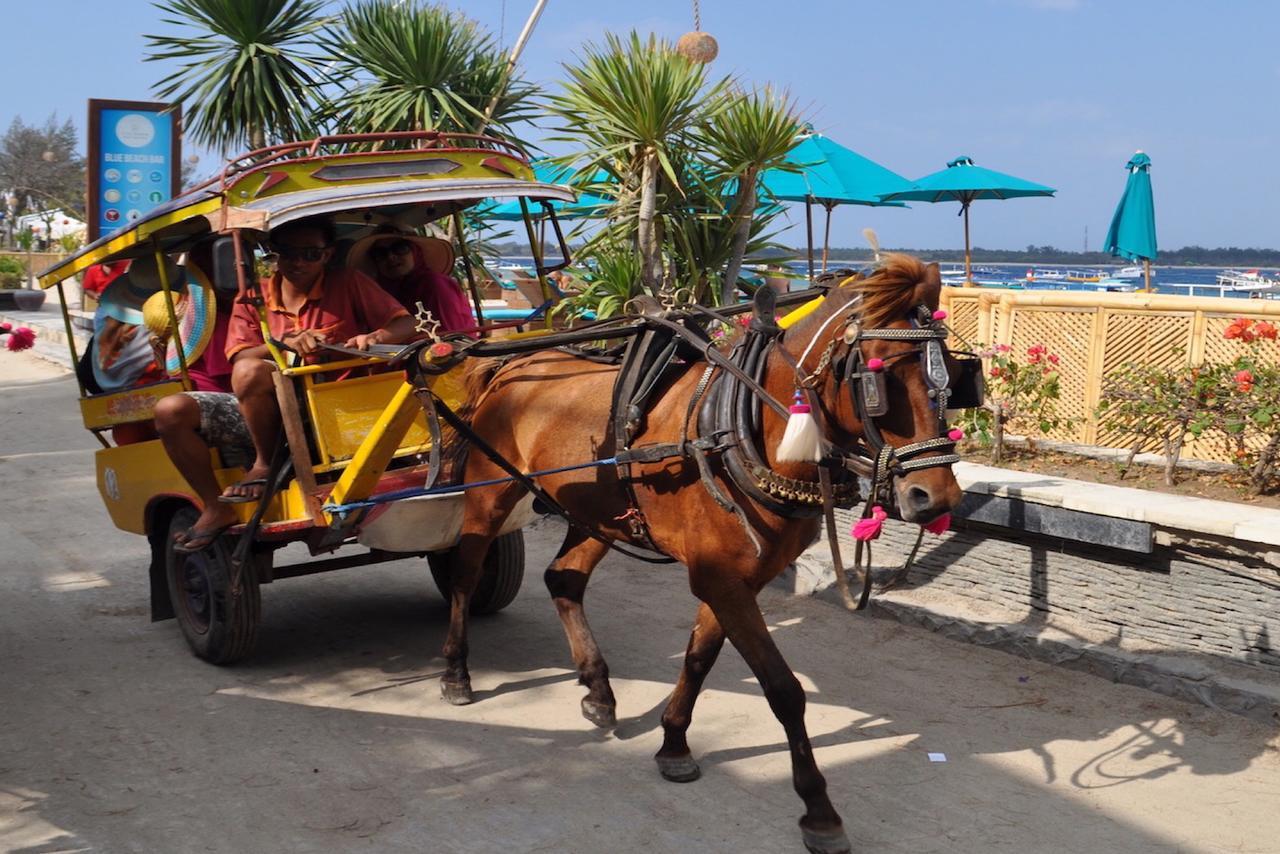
737, 611
675, 762
566, 579
485, 512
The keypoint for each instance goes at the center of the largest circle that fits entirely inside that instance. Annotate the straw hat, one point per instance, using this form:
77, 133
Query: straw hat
437, 253
197, 311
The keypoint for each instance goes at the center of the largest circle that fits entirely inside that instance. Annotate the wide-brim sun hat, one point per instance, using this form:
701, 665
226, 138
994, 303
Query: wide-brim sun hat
124, 297
197, 313
436, 252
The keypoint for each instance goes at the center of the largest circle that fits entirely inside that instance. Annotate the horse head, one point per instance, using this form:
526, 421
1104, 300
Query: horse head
876, 357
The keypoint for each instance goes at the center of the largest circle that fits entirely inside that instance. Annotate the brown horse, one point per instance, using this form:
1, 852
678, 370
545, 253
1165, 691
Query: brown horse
552, 409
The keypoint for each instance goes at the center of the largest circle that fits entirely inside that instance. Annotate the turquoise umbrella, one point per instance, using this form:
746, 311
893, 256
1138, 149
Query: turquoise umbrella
548, 173
830, 174
965, 183
1132, 234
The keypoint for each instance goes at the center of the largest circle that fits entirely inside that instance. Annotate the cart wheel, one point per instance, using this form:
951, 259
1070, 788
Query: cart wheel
503, 574
219, 628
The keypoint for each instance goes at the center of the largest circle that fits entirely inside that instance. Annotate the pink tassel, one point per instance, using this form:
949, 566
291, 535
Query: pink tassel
870, 527
955, 434
940, 525
940, 314
22, 338
801, 441
875, 364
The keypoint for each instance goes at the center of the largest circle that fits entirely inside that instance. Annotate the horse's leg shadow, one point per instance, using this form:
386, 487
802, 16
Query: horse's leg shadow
566, 581
675, 762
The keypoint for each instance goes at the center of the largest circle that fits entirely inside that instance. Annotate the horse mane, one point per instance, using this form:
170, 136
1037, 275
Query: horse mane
890, 291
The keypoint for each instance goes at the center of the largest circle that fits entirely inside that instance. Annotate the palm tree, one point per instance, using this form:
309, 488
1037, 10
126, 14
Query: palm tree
753, 133
414, 66
633, 105
247, 74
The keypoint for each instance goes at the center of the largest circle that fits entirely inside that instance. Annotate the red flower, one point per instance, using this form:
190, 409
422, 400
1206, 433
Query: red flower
996, 372
1053, 358
1239, 328
1244, 376
22, 338
1002, 348
1263, 329
1244, 388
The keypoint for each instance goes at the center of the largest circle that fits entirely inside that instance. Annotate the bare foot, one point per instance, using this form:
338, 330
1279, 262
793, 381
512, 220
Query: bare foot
211, 522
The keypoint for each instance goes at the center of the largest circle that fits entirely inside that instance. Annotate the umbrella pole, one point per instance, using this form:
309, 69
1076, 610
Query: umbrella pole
1146, 272
826, 237
968, 277
808, 223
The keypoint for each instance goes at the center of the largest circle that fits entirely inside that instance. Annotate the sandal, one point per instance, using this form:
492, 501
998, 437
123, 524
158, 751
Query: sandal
194, 540
244, 484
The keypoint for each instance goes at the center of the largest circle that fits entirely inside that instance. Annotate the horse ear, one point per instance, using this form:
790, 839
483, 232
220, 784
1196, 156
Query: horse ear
929, 291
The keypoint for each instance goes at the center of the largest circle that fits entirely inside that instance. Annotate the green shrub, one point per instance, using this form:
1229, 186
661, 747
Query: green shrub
12, 273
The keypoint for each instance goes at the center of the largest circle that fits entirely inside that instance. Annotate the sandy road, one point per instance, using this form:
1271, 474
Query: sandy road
332, 737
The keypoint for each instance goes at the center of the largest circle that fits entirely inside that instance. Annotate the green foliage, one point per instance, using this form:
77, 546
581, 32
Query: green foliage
610, 282
679, 154
413, 66
248, 73
1022, 394
13, 274
43, 164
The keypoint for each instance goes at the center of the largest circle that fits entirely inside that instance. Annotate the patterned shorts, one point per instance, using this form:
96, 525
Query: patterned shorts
223, 427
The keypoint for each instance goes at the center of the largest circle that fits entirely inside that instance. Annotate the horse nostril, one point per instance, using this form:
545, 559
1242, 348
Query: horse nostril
919, 498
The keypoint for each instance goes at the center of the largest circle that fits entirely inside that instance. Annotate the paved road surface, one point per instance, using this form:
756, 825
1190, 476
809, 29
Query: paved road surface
332, 738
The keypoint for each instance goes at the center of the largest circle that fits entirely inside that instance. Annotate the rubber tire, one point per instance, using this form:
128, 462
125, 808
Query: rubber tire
503, 574
218, 628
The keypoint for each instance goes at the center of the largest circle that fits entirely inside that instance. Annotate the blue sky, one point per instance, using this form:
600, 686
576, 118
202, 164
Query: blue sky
1057, 91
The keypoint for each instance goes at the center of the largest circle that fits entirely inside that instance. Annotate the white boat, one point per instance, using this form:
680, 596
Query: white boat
1246, 280
1133, 271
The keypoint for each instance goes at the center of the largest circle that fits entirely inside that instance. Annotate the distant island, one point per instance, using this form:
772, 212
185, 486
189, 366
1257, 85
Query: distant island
1187, 256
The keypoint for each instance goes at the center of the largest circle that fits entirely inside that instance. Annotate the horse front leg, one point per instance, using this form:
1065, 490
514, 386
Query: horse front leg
736, 609
675, 762
566, 581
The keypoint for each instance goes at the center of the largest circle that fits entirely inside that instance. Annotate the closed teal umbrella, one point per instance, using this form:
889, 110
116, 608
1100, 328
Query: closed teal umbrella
965, 183
1132, 234
830, 174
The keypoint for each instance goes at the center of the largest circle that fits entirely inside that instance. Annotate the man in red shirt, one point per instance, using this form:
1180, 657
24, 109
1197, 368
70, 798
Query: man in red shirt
307, 305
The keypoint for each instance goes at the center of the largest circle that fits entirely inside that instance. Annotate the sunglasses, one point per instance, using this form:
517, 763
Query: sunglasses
300, 253
387, 249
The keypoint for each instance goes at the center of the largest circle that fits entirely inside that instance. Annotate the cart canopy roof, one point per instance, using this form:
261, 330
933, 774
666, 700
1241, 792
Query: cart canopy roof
335, 176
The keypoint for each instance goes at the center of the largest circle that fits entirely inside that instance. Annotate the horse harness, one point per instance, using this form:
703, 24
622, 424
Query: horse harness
727, 404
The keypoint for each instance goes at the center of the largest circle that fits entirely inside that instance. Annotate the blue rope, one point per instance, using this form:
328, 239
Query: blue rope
414, 492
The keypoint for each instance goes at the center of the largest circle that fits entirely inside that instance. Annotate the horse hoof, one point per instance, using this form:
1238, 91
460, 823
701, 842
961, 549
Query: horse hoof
679, 769
826, 841
457, 693
599, 714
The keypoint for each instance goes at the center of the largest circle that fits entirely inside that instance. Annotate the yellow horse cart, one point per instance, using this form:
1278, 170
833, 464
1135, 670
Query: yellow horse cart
352, 442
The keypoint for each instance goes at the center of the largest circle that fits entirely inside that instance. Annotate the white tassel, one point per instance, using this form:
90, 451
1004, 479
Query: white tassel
802, 442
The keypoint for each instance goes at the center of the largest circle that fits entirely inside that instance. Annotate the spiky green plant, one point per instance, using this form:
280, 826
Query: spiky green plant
631, 106
247, 74
417, 66
612, 280
751, 134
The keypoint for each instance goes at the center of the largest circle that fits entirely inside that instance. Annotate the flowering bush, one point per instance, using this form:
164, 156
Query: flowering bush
1020, 395
21, 338
1157, 406
1239, 400
1248, 408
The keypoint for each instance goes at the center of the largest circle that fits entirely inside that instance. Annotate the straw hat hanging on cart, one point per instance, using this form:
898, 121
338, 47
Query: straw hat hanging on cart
197, 311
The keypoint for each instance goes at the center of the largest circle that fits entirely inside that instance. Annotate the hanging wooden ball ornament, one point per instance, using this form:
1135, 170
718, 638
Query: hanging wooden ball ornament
698, 46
